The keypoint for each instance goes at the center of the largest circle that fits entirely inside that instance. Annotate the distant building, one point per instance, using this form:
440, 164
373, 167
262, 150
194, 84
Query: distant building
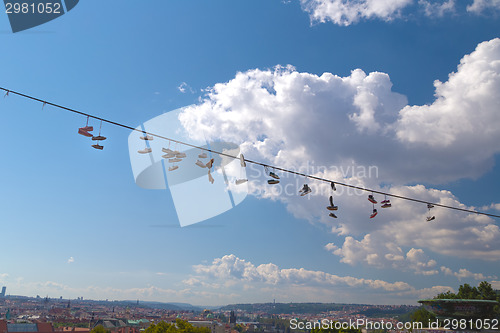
25, 328
2, 294
232, 318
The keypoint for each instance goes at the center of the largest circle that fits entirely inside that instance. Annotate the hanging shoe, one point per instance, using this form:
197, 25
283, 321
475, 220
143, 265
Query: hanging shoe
97, 146
242, 161
272, 174
146, 137
332, 215
240, 181
173, 167
180, 155
429, 206
430, 218
167, 150
210, 178
305, 190
332, 206
210, 163
273, 181
174, 160
88, 128
202, 155
169, 155
84, 132
99, 138
145, 150
374, 213
333, 186
386, 204
200, 164
372, 199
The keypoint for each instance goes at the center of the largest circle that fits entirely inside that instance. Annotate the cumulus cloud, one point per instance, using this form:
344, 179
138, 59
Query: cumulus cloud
184, 87
465, 274
232, 267
479, 6
347, 12
327, 124
71, 260
270, 277
437, 8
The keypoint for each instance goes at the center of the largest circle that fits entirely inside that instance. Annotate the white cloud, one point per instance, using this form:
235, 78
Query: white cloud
437, 8
348, 12
302, 283
479, 6
71, 260
302, 121
184, 87
465, 274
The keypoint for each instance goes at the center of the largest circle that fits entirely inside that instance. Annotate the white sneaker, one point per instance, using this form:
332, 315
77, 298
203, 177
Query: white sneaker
202, 155
173, 160
305, 190
173, 167
180, 155
200, 164
167, 150
145, 150
169, 155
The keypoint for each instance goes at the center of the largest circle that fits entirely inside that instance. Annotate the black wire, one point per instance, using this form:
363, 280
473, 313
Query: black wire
249, 161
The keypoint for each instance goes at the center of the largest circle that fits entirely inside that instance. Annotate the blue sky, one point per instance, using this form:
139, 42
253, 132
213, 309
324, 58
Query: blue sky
126, 61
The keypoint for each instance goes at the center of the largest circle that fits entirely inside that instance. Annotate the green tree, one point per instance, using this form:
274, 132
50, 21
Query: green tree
180, 326
421, 315
99, 329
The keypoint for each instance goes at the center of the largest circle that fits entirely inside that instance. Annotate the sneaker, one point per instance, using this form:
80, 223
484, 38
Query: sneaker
147, 137
430, 218
372, 199
99, 138
210, 178
88, 128
387, 204
167, 150
173, 160
180, 155
275, 176
169, 155
200, 164
240, 181
305, 190
84, 132
333, 186
374, 214
332, 215
202, 155
273, 181
97, 146
384, 201
242, 161
173, 167
210, 163
145, 150
429, 206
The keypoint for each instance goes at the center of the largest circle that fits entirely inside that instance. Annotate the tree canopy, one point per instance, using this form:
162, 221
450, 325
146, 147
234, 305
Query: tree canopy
180, 326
